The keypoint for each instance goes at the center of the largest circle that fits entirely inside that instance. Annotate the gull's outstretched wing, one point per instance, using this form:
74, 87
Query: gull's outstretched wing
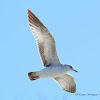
45, 41
67, 83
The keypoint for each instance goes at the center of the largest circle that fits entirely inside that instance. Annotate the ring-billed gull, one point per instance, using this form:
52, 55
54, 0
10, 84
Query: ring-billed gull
47, 50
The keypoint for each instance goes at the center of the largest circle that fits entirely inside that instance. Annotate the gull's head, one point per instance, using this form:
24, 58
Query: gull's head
70, 68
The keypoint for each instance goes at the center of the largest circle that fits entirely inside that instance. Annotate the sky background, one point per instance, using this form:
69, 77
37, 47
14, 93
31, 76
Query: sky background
75, 25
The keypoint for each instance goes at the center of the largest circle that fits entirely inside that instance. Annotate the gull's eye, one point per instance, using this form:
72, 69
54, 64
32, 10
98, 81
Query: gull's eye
70, 66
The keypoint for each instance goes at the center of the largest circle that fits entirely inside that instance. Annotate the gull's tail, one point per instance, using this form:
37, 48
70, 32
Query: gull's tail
33, 76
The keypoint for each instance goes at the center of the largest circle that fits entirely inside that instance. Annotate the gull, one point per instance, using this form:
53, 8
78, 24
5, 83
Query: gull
52, 68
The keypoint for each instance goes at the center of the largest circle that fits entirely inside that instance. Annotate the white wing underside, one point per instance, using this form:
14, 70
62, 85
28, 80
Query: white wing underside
67, 83
45, 41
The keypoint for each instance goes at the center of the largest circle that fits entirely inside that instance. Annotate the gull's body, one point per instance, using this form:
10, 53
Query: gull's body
47, 50
53, 71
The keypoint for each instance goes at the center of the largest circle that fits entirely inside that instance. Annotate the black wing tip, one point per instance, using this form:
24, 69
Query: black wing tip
28, 10
28, 14
69, 91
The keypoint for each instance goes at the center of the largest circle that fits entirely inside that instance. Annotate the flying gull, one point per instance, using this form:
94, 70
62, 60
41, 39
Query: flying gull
51, 63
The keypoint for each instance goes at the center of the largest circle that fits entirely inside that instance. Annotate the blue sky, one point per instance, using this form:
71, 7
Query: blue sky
75, 25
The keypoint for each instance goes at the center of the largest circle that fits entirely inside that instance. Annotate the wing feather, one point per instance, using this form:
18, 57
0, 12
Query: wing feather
67, 83
45, 41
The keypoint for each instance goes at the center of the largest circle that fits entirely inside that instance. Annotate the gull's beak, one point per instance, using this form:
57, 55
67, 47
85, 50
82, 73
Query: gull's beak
75, 70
